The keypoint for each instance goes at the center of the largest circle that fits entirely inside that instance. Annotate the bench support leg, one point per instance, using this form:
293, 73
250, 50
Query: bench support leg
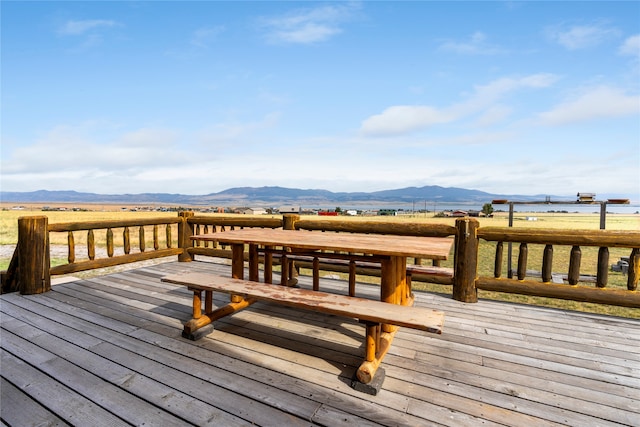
209, 317
369, 376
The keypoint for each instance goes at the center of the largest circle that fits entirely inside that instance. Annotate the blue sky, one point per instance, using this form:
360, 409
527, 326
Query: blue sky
196, 97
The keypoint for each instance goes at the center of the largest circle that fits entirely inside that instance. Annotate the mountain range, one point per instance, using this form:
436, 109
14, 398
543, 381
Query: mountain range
272, 196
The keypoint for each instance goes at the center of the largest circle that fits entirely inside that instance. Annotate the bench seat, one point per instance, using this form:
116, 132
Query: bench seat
354, 264
359, 308
381, 319
411, 268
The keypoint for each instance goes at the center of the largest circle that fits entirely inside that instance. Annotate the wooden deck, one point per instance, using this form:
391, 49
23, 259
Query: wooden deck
108, 351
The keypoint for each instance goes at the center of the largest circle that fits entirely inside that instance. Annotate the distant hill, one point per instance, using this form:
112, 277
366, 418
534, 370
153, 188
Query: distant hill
273, 196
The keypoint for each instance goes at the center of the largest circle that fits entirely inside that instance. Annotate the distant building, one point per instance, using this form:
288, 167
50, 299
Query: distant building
254, 211
390, 212
289, 209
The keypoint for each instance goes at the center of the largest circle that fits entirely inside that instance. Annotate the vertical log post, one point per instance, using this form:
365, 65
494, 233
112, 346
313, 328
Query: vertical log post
156, 243
168, 236
33, 256
141, 239
109, 242
289, 221
497, 266
574, 265
185, 231
634, 270
466, 261
522, 261
603, 267
126, 239
91, 245
547, 263
71, 245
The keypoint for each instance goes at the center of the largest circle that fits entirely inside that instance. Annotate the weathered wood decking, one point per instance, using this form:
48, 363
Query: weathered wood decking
108, 351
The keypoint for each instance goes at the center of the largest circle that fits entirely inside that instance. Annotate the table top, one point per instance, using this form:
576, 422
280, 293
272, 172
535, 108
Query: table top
374, 244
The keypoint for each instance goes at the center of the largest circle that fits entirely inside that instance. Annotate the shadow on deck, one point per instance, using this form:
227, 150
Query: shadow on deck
108, 351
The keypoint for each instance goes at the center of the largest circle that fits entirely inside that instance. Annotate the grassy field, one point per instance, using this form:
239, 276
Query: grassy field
9, 236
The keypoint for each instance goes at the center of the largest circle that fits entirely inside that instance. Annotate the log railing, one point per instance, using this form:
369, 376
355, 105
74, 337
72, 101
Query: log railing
30, 271
219, 224
111, 229
576, 240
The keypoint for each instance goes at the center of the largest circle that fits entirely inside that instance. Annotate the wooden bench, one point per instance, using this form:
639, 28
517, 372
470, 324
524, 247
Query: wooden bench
370, 312
322, 261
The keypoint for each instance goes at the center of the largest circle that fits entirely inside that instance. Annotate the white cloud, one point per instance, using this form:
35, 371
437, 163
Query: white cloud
631, 46
476, 45
79, 148
402, 119
308, 26
76, 28
582, 36
594, 103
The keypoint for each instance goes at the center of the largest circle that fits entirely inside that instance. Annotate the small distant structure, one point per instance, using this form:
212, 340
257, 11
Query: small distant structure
327, 213
586, 197
352, 212
289, 209
389, 212
254, 211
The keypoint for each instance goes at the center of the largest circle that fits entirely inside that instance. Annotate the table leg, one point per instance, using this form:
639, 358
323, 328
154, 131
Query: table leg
237, 266
268, 265
284, 269
254, 262
393, 290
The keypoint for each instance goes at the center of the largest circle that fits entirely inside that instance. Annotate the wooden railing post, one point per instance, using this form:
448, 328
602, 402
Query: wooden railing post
185, 231
633, 274
289, 221
466, 260
33, 257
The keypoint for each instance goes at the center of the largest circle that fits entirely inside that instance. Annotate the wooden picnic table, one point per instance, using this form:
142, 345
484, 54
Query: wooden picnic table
390, 250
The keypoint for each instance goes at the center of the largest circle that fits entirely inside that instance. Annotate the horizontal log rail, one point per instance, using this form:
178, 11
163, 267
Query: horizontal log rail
375, 227
112, 262
618, 297
236, 221
598, 238
94, 225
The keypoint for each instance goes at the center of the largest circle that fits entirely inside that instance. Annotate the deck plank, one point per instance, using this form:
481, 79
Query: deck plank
495, 364
32, 413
